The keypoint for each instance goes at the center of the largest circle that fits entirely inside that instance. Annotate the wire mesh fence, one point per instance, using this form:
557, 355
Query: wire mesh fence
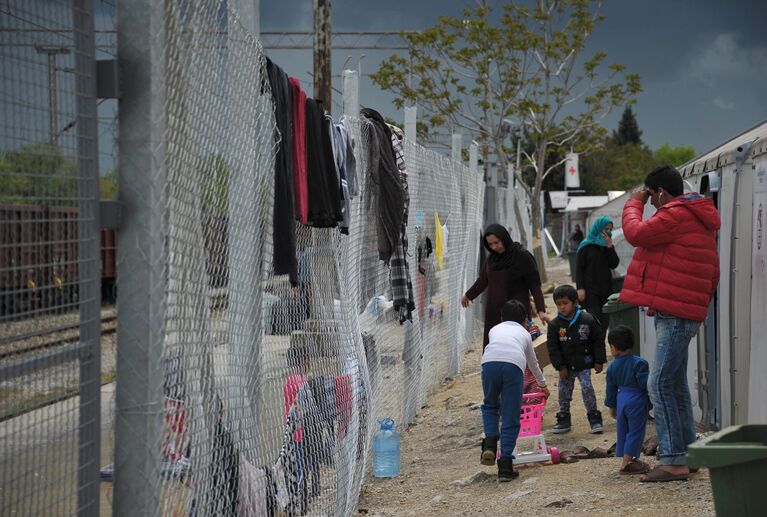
49, 299
273, 379
241, 387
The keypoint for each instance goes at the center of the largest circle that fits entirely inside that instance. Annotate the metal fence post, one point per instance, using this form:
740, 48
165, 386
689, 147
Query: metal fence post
141, 257
411, 126
89, 267
457, 143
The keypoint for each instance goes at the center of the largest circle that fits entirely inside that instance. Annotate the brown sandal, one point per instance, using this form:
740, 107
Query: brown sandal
657, 475
635, 467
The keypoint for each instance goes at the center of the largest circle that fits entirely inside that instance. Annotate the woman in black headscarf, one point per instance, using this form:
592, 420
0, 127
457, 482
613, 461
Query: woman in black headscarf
510, 273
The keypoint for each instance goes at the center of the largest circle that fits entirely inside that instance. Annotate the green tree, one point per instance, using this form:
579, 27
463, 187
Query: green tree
675, 155
628, 131
616, 167
525, 68
38, 173
108, 185
14, 187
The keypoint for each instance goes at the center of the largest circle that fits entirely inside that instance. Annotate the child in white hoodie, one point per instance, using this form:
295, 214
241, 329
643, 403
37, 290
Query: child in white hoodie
508, 352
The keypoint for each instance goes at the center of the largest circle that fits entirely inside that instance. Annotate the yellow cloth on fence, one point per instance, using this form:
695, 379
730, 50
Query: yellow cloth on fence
439, 241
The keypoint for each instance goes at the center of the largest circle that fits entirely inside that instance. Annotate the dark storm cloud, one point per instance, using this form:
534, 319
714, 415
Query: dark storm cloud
703, 63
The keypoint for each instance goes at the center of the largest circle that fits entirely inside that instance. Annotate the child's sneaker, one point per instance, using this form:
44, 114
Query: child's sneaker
489, 450
595, 420
506, 470
563, 424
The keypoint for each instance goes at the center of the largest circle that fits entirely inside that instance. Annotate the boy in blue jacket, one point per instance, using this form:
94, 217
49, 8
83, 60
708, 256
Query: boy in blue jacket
575, 341
626, 396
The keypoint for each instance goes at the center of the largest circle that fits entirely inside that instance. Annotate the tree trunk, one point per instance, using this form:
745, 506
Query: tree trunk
536, 207
537, 239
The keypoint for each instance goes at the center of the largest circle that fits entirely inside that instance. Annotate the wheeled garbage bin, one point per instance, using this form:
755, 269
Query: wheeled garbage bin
737, 461
622, 313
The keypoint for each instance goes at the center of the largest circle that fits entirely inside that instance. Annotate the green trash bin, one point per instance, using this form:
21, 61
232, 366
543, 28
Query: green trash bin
737, 461
622, 313
572, 257
617, 283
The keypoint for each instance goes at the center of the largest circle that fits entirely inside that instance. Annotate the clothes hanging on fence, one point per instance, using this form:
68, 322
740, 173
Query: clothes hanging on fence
351, 161
322, 182
284, 206
427, 274
222, 496
439, 242
299, 151
258, 491
387, 191
345, 168
401, 283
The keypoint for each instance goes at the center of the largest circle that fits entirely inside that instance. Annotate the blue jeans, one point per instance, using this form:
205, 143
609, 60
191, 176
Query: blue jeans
668, 389
502, 386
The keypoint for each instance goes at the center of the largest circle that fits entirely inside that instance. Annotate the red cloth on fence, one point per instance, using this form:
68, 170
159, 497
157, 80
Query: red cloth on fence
343, 403
290, 395
299, 151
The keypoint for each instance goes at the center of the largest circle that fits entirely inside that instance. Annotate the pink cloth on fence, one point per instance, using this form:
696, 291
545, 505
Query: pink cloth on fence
290, 394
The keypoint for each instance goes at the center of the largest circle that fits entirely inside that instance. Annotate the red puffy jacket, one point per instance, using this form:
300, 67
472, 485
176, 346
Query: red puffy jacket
675, 268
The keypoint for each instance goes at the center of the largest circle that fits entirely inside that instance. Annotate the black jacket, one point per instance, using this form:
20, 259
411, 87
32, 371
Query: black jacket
578, 345
593, 271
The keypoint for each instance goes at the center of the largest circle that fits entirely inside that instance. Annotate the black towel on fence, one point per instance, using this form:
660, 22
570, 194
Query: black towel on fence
321, 177
284, 236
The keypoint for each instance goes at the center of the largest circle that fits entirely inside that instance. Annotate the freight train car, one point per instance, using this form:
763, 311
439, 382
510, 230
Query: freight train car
38, 259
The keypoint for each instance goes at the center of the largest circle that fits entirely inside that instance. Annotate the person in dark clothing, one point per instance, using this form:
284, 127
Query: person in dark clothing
510, 273
576, 237
576, 344
593, 279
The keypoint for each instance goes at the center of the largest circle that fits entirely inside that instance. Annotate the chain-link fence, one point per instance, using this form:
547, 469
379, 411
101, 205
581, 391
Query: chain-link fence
49, 260
273, 376
242, 387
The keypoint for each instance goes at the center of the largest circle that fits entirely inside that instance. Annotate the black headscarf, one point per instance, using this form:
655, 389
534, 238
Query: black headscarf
519, 262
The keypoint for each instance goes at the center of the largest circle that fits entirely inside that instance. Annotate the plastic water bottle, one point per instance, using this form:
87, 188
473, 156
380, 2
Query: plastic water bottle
386, 450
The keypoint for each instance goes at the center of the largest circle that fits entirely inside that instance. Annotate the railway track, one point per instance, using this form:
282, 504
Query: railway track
23, 344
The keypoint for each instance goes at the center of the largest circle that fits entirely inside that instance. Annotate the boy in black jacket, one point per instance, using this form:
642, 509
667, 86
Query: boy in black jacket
576, 345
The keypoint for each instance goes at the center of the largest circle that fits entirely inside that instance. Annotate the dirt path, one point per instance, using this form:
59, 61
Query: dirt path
440, 452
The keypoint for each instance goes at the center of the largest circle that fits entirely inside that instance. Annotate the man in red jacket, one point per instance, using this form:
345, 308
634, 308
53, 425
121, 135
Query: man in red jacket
674, 273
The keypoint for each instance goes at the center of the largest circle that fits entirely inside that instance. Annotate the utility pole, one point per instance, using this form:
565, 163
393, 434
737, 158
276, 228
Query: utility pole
53, 96
322, 47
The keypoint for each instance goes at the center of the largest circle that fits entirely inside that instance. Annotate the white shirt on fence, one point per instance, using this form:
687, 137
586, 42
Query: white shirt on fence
510, 342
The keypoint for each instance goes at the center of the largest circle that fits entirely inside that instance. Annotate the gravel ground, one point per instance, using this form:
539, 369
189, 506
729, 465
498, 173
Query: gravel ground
441, 474
46, 384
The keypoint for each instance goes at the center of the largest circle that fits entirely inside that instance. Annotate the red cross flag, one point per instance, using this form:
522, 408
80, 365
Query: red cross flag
572, 180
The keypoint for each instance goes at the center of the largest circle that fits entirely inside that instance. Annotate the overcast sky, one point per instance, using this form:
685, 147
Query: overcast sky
703, 63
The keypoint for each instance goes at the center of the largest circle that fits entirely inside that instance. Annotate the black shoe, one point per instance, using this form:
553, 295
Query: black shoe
563, 424
489, 450
595, 420
506, 470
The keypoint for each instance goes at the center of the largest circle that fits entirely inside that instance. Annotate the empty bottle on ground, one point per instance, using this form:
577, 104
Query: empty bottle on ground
386, 450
